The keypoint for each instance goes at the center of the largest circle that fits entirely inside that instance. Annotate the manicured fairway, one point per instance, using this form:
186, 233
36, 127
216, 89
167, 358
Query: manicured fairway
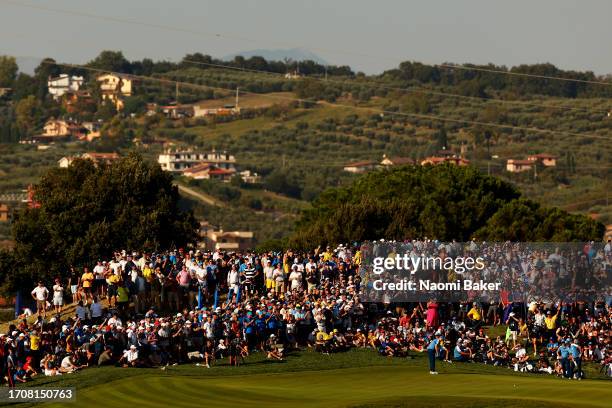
373, 386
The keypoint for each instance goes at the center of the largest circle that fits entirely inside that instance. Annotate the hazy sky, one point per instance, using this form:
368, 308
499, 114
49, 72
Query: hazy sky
368, 35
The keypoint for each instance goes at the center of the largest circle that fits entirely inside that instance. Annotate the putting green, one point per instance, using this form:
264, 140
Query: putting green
373, 386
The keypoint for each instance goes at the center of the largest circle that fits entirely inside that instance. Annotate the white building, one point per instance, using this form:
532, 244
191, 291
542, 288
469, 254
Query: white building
177, 161
64, 83
250, 177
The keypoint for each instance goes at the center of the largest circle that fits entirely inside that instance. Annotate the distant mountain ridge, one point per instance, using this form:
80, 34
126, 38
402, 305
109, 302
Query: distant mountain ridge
294, 54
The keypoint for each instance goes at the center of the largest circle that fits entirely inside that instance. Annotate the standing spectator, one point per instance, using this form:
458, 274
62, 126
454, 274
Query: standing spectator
295, 278
279, 279
74, 282
40, 294
87, 280
58, 296
233, 283
100, 280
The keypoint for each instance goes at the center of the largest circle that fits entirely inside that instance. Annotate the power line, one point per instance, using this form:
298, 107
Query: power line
282, 43
411, 90
339, 105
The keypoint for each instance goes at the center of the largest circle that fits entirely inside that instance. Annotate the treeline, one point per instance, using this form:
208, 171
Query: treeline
115, 61
439, 202
481, 80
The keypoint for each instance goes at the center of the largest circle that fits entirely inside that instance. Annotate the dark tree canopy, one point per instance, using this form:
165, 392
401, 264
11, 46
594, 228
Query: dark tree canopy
88, 211
443, 202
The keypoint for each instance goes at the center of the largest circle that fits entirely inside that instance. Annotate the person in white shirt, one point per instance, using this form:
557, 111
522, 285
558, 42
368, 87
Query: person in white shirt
58, 296
115, 321
279, 279
130, 357
67, 365
39, 294
295, 278
233, 283
99, 280
269, 275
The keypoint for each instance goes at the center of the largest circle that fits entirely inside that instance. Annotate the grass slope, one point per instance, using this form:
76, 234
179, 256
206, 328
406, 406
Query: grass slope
355, 378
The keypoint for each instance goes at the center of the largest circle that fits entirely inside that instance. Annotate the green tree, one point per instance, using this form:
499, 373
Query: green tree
445, 202
88, 211
8, 71
526, 220
28, 113
111, 61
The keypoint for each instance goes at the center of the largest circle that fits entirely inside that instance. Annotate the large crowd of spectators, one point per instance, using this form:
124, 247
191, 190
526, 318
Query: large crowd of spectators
155, 310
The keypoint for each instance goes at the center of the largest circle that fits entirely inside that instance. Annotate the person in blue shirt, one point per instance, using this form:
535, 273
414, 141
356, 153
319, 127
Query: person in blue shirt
576, 352
249, 330
432, 352
563, 354
552, 346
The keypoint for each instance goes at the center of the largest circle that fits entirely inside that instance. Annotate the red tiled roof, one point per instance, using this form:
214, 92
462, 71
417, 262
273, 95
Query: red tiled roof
401, 160
220, 172
197, 168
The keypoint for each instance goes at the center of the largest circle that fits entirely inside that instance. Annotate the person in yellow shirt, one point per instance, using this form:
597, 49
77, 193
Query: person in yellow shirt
475, 316
328, 254
34, 341
147, 273
87, 282
323, 342
550, 321
113, 282
357, 258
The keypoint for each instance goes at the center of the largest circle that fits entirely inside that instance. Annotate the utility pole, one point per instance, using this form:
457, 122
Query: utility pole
176, 94
237, 95
325, 72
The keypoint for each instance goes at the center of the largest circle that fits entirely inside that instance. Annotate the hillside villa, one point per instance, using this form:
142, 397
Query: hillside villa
178, 161
97, 158
56, 130
544, 159
208, 171
519, 166
62, 84
212, 239
250, 177
435, 160
114, 88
